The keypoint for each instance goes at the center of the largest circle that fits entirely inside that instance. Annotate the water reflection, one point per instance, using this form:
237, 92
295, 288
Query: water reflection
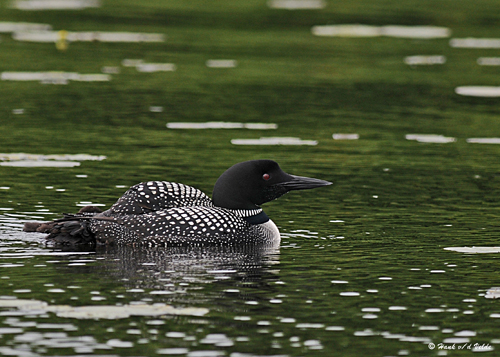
39, 160
475, 42
274, 141
31, 5
173, 270
430, 138
222, 125
297, 4
309, 294
357, 30
6, 27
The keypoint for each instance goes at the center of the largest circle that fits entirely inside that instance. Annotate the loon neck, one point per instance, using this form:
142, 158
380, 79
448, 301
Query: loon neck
257, 219
252, 216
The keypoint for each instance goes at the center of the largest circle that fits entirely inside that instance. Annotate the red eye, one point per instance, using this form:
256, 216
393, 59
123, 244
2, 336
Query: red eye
266, 177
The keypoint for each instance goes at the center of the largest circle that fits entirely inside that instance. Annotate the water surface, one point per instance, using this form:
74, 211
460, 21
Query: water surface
362, 268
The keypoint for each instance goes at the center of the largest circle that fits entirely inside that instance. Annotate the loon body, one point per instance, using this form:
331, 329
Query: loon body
168, 213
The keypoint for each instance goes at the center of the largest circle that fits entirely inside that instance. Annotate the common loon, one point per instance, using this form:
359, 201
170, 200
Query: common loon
168, 213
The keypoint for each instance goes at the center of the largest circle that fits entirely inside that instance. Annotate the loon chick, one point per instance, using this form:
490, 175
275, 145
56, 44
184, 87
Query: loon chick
168, 213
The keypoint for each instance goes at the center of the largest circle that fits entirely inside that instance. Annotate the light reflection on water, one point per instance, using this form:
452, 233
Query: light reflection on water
314, 293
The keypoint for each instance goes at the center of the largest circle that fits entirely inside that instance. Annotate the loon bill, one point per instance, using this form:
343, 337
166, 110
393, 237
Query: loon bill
169, 213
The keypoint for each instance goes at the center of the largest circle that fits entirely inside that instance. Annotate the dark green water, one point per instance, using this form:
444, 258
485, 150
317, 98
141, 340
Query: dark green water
361, 270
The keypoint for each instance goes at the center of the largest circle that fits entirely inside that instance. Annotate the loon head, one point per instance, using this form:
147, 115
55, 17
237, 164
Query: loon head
249, 184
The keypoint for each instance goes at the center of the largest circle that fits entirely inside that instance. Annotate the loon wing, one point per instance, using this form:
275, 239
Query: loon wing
178, 224
143, 198
152, 196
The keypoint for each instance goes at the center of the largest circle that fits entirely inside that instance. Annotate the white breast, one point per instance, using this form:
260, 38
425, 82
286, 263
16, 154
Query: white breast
272, 232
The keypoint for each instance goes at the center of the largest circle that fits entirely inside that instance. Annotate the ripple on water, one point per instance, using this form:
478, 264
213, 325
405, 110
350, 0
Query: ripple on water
349, 293
465, 333
339, 282
29, 307
364, 333
474, 250
370, 309
175, 334
397, 308
172, 351
310, 325
119, 343
206, 353
217, 339
434, 310
456, 340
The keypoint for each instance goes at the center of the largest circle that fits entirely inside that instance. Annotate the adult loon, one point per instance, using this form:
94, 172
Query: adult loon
168, 213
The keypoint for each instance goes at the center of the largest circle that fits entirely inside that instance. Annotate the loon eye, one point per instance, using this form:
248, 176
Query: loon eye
266, 177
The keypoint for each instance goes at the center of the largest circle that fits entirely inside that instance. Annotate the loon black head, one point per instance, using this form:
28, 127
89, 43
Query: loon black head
249, 184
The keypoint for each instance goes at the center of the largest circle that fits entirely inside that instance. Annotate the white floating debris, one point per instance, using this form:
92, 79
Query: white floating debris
346, 30
493, 293
29, 163
366, 332
131, 62
110, 69
101, 311
349, 293
488, 61
83, 204
345, 136
478, 91
456, 340
424, 60
397, 308
221, 63
123, 311
6, 27
471, 42
54, 4
37, 36
92, 78
156, 67
430, 138
434, 310
54, 77
156, 109
297, 4
54, 36
172, 351
465, 333
128, 37
23, 156
34, 160
222, 125
483, 140
119, 343
274, 141
474, 250
356, 30
420, 32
